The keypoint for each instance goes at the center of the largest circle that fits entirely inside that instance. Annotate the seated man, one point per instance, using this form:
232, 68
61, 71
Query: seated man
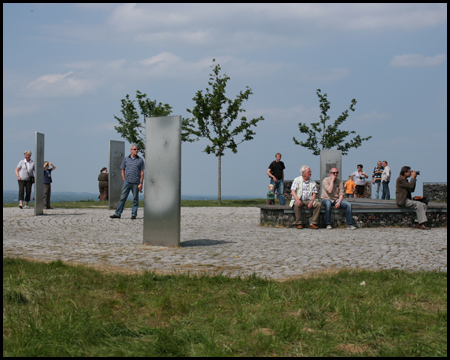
332, 194
403, 190
304, 192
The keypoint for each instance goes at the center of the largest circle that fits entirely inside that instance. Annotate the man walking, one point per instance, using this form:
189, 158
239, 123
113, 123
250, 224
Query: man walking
304, 192
133, 177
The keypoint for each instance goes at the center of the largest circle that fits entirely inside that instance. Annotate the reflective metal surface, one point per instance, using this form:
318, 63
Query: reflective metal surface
116, 156
328, 160
39, 173
162, 181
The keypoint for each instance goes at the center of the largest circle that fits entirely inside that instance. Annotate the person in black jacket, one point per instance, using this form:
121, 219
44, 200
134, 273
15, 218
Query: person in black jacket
276, 174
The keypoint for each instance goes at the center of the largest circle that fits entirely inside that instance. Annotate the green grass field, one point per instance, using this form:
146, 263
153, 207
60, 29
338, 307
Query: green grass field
55, 309
128, 204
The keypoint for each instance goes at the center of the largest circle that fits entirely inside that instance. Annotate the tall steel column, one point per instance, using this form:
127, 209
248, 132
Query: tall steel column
116, 156
39, 173
328, 160
162, 181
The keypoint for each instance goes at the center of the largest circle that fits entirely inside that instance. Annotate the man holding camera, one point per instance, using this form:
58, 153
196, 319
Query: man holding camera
403, 190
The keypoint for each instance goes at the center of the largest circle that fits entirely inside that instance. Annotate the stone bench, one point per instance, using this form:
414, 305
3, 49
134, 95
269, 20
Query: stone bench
366, 213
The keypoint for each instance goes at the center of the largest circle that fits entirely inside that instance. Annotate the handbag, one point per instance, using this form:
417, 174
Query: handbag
31, 178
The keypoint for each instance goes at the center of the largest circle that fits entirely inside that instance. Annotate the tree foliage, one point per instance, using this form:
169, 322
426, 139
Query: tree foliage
214, 118
322, 136
130, 127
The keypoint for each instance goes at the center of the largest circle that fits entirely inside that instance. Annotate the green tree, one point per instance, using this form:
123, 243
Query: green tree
130, 127
329, 136
214, 116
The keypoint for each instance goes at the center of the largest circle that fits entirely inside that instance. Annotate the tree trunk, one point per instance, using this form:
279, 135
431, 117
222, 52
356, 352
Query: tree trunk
219, 194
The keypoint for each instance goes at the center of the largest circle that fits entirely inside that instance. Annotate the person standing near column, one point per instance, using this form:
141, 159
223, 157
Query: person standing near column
133, 177
25, 176
103, 179
276, 174
48, 183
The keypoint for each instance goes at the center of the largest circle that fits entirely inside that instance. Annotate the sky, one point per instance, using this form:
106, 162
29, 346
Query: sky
66, 68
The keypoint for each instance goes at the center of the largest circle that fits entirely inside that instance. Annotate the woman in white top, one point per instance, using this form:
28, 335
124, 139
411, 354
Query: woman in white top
25, 175
360, 181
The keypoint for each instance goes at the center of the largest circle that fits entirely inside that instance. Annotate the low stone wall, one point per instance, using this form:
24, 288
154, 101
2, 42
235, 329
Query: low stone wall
283, 216
435, 191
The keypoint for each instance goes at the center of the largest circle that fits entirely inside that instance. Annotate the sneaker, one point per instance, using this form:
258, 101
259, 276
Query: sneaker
114, 216
329, 227
351, 227
133, 218
26, 207
20, 206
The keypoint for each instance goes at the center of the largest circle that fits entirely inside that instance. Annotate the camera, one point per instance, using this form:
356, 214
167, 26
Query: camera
417, 172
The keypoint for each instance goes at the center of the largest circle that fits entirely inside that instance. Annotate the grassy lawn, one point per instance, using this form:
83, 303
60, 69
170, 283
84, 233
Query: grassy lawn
128, 204
55, 309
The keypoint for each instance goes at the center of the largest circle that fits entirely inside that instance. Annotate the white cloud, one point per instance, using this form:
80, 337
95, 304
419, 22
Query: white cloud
186, 17
392, 16
162, 58
417, 60
59, 85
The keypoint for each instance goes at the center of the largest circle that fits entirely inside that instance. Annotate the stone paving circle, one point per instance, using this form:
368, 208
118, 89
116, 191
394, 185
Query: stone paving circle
216, 240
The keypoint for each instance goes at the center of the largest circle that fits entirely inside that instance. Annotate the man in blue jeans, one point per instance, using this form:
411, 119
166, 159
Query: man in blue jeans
276, 174
133, 177
332, 195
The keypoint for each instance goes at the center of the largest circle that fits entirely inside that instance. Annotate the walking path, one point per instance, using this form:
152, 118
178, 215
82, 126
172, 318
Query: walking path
216, 240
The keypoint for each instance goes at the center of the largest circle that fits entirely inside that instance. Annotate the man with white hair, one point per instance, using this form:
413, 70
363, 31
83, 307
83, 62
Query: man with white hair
304, 193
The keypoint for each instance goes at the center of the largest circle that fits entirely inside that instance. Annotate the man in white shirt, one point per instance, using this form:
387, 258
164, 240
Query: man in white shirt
304, 193
385, 178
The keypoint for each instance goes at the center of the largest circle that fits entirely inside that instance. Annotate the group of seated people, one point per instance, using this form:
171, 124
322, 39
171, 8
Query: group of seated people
304, 194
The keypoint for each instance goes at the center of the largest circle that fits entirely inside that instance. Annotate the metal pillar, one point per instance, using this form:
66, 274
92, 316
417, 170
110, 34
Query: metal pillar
116, 156
162, 190
39, 143
328, 160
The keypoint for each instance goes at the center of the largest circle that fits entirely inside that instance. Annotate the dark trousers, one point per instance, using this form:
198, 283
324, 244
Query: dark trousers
24, 186
47, 193
386, 194
103, 192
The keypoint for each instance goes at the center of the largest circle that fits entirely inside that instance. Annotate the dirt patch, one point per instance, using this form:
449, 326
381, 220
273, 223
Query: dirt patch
353, 349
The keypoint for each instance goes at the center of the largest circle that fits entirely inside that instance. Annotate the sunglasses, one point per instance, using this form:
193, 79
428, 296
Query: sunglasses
337, 172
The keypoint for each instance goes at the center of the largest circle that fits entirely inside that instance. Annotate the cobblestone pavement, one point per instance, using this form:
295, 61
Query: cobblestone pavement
216, 240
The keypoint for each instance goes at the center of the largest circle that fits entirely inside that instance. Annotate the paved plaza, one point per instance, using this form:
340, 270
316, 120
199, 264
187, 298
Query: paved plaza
216, 240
